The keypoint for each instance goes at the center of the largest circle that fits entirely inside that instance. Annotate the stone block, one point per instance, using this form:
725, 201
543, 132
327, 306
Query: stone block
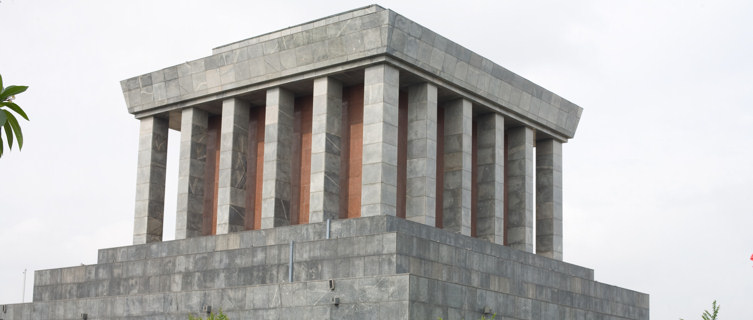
325, 152
519, 181
151, 180
193, 144
549, 198
378, 196
457, 167
276, 188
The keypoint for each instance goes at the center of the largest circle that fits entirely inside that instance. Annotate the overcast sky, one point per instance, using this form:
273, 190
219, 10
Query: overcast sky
657, 181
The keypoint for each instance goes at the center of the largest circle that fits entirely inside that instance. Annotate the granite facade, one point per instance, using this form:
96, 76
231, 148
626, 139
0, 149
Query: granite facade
490, 177
519, 182
381, 267
150, 181
344, 41
463, 168
277, 189
189, 220
326, 140
421, 154
231, 192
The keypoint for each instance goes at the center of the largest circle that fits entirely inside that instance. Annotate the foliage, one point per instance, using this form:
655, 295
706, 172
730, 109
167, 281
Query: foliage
714, 312
212, 316
710, 315
7, 119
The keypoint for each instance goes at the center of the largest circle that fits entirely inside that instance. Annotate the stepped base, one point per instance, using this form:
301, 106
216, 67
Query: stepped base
383, 268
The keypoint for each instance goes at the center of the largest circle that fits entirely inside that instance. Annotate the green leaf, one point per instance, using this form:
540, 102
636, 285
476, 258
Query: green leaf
8, 133
1, 146
1, 85
15, 108
3, 119
11, 91
14, 123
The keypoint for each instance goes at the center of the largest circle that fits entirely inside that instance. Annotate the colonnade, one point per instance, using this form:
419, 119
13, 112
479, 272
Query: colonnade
429, 161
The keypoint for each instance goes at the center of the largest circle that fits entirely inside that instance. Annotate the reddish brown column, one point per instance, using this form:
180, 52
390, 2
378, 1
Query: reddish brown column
474, 179
353, 99
254, 168
301, 174
504, 188
211, 176
402, 153
440, 167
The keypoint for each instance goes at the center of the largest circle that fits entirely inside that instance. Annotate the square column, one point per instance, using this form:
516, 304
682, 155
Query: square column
458, 130
150, 181
189, 220
380, 122
520, 188
490, 177
422, 154
278, 159
231, 191
326, 137
549, 198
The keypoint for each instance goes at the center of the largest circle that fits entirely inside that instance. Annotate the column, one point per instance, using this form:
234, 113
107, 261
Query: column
422, 154
458, 127
231, 189
278, 157
549, 198
150, 181
189, 220
326, 137
490, 177
380, 122
520, 188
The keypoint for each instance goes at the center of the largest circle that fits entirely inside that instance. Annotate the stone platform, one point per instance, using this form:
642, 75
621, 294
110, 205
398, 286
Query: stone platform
381, 267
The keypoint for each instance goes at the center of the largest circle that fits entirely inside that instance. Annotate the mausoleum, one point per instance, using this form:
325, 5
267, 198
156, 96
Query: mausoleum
359, 166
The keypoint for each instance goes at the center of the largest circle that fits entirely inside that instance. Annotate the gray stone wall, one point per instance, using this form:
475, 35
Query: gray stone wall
380, 265
344, 41
350, 36
461, 67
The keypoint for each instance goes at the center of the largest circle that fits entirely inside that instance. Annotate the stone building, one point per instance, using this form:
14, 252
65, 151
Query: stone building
359, 166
